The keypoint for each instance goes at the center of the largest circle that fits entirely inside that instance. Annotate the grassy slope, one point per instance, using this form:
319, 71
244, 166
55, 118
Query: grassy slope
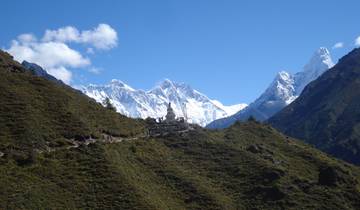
35, 113
248, 166
198, 170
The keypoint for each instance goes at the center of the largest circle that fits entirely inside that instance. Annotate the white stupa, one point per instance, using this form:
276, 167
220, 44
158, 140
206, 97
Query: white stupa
170, 115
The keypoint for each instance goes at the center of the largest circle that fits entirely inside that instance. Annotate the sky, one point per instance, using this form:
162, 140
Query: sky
229, 50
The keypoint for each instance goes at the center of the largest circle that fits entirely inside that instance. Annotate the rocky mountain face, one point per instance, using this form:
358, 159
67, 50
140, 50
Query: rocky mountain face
39, 71
284, 89
186, 101
327, 113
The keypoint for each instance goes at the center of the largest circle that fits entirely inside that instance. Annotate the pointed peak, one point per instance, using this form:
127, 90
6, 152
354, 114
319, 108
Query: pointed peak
119, 83
320, 61
115, 81
166, 83
283, 75
322, 51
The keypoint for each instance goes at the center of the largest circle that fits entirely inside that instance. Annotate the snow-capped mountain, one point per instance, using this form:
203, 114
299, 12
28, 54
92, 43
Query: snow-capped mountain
186, 102
284, 89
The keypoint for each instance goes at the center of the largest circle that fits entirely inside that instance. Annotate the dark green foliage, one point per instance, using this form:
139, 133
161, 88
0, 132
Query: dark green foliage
248, 166
36, 113
197, 170
109, 105
327, 113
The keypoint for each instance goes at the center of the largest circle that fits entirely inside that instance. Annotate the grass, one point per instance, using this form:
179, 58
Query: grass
198, 170
247, 166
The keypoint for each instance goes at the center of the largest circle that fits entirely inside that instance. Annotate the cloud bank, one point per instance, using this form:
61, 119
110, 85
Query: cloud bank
53, 52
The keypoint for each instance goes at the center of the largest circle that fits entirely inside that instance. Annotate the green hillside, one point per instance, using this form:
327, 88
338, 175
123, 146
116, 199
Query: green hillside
36, 113
247, 166
327, 113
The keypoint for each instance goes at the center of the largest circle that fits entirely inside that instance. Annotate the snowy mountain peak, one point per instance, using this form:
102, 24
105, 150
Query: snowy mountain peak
318, 64
283, 76
186, 102
321, 59
283, 90
120, 84
167, 84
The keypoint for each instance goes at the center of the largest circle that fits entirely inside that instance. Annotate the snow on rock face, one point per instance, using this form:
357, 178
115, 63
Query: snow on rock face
284, 89
318, 64
185, 101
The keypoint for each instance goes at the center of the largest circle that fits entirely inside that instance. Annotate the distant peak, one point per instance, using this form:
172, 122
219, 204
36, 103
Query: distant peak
323, 51
283, 75
167, 83
116, 81
320, 61
119, 83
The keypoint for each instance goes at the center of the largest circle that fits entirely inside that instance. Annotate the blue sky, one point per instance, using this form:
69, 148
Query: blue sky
228, 49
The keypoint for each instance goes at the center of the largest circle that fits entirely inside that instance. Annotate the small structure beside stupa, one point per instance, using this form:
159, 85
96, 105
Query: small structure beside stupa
171, 124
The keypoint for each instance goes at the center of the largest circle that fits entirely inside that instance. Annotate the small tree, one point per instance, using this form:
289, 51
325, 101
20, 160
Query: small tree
108, 104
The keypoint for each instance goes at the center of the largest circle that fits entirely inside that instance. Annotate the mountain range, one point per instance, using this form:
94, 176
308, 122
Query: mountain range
284, 89
60, 149
327, 113
189, 103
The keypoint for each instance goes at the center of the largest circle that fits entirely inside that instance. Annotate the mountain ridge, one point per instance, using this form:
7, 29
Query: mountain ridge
327, 114
186, 101
246, 166
284, 89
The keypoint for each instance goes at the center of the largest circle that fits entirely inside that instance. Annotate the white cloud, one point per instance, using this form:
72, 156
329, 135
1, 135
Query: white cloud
338, 45
55, 57
90, 50
101, 37
61, 73
65, 34
48, 54
95, 70
357, 41
27, 38
54, 54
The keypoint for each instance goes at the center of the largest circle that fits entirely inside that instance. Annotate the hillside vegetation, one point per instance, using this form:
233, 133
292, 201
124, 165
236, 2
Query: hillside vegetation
36, 113
247, 166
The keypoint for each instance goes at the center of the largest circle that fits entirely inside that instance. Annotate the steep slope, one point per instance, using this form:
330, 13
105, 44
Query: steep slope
247, 166
32, 107
284, 89
327, 113
186, 101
